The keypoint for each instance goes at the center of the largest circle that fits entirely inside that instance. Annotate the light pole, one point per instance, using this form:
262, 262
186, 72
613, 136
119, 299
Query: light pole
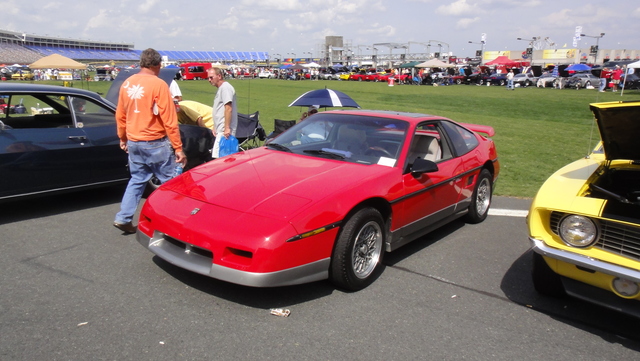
481, 50
279, 57
310, 54
293, 57
595, 53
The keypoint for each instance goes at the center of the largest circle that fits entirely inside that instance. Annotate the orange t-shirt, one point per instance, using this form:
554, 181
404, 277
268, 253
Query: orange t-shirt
146, 111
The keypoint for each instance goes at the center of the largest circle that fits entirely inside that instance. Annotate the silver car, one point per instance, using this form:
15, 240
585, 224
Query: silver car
582, 80
525, 79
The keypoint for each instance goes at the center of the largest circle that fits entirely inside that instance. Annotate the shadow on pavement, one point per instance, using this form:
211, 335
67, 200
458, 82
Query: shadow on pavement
610, 325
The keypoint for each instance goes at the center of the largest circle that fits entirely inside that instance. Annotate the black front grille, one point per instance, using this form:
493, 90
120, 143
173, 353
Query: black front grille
194, 249
615, 237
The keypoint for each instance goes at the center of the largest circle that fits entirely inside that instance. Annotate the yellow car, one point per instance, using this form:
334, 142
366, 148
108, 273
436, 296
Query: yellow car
25, 75
584, 223
345, 76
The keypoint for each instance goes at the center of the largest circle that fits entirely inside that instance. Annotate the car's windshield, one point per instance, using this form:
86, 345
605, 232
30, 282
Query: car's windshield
352, 138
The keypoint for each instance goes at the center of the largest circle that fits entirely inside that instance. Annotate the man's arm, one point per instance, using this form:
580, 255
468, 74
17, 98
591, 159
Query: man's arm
228, 112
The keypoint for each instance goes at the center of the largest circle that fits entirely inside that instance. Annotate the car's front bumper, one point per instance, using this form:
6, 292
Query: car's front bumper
200, 261
590, 279
541, 248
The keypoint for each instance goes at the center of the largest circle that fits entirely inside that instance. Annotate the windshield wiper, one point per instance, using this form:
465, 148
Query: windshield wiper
278, 147
338, 154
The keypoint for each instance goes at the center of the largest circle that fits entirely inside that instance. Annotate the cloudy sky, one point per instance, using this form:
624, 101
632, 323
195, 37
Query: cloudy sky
299, 27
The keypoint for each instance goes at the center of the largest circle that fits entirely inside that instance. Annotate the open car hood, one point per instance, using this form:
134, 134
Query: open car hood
619, 125
166, 74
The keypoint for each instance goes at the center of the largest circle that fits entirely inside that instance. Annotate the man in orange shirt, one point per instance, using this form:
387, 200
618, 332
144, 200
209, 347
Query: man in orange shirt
148, 130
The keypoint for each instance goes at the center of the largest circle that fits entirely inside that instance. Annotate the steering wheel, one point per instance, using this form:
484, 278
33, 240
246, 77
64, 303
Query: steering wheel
373, 150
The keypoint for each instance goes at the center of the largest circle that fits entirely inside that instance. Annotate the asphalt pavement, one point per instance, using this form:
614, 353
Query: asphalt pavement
74, 288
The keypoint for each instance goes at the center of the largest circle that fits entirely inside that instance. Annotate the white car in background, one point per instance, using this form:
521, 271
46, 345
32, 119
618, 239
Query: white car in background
266, 74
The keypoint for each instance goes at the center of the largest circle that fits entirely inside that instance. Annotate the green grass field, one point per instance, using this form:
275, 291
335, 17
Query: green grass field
538, 130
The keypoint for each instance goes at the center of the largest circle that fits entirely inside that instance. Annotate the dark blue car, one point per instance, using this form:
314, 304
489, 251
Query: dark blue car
56, 139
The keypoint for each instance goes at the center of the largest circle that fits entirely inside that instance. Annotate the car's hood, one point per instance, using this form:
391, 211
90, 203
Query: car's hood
269, 182
619, 125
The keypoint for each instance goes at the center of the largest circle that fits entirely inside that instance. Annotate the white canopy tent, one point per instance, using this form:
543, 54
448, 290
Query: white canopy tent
633, 65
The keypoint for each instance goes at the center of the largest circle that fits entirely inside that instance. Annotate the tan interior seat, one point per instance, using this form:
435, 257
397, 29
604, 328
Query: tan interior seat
425, 147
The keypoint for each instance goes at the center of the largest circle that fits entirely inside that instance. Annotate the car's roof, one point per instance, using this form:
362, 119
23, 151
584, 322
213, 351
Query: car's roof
42, 88
386, 114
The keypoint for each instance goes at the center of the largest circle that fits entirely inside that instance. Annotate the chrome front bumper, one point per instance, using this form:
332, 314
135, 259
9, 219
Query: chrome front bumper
541, 248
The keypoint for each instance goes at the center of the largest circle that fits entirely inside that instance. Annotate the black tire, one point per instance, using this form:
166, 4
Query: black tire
458, 81
481, 198
527, 83
502, 82
587, 84
545, 281
357, 255
481, 82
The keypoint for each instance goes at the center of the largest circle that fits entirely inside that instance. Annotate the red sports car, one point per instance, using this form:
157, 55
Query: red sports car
324, 200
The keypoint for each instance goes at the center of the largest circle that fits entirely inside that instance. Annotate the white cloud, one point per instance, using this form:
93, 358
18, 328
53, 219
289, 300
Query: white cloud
147, 5
464, 23
460, 7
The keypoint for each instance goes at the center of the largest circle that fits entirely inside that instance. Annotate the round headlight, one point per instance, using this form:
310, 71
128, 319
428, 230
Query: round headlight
578, 231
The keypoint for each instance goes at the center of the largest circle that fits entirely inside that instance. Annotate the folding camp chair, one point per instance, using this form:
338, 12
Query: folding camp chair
280, 126
249, 131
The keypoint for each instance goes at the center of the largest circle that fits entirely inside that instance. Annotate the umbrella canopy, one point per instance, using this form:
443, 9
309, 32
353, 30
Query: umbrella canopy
312, 65
578, 67
324, 98
502, 60
634, 65
410, 64
434, 63
56, 61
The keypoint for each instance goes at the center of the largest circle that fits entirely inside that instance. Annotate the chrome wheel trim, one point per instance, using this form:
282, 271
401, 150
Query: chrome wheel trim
483, 197
366, 251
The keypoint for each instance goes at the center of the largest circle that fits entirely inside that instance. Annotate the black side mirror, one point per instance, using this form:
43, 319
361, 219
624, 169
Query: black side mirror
423, 166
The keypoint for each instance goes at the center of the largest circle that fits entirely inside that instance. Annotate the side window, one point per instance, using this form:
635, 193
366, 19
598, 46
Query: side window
428, 143
22, 111
91, 114
462, 140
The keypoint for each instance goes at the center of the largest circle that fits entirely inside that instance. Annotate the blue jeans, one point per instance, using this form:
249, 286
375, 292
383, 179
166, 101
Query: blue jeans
603, 83
510, 84
146, 158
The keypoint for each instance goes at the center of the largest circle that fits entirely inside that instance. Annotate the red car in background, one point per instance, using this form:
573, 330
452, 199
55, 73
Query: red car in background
326, 199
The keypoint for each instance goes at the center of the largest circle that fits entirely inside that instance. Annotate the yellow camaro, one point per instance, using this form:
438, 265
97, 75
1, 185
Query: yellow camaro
584, 223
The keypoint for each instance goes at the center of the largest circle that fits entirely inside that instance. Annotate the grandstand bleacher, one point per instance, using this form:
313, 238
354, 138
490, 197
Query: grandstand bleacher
25, 49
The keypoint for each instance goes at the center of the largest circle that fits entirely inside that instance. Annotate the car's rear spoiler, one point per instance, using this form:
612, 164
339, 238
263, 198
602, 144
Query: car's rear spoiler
480, 129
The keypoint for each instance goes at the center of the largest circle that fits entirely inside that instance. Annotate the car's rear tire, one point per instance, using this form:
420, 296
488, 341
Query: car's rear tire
458, 81
357, 255
481, 198
545, 281
527, 83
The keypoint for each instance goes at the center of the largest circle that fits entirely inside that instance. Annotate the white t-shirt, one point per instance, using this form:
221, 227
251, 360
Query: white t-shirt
174, 89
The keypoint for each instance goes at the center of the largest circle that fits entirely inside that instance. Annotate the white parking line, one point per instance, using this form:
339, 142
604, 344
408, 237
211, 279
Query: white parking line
508, 212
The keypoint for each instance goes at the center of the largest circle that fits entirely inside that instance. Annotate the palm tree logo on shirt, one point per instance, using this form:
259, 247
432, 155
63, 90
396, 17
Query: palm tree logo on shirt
135, 92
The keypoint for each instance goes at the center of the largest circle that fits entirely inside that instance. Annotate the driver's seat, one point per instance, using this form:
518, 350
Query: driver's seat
425, 147
351, 140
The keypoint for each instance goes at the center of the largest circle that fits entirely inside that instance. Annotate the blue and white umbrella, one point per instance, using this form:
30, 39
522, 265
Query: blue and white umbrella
578, 67
324, 98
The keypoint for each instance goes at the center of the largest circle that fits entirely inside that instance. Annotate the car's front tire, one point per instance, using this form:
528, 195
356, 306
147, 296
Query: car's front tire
481, 198
357, 255
545, 281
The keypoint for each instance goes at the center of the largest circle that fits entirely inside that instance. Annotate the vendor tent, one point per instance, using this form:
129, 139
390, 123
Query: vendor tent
633, 65
502, 60
56, 61
434, 63
410, 64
